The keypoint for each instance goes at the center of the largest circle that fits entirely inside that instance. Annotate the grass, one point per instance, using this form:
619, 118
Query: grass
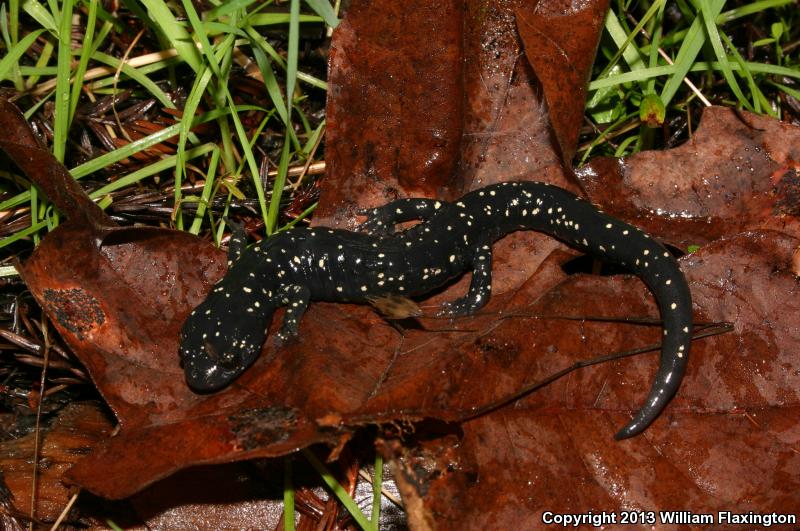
207, 44
681, 56
226, 151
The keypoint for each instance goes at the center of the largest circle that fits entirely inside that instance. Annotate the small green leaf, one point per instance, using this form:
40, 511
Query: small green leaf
776, 30
763, 42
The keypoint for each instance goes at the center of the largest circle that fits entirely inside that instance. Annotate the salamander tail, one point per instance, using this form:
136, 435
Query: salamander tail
675, 304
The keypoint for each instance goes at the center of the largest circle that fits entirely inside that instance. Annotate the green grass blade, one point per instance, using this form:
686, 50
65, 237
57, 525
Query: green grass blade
162, 165
144, 71
337, 489
41, 15
700, 66
622, 47
709, 16
606, 132
202, 37
303, 215
205, 195
288, 496
692, 44
34, 205
291, 83
11, 58
274, 19
291, 60
788, 90
628, 77
220, 93
277, 187
377, 485
249, 157
618, 34
324, 9
313, 138
264, 45
226, 8
265, 67
213, 29
10, 44
24, 233
62, 97
83, 61
98, 163
621, 150
189, 109
175, 32
655, 43
13, 26
758, 97
136, 75
751, 9
44, 59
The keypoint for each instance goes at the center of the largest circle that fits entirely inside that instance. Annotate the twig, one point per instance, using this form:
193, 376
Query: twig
389, 495
37, 430
64, 513
664, 55
701, 331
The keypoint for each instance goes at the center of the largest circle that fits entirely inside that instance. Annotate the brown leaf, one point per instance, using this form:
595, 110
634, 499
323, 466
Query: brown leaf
119, 296
738, 172
560, 43
372, 97
219, 497
727, 442
21, 146
119, 303
68, 437
455, 110
134, 287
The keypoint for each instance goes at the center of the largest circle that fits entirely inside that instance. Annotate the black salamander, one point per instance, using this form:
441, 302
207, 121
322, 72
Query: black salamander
224, 335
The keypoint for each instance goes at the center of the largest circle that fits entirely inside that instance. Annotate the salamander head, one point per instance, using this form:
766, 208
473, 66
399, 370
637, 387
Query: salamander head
221, 338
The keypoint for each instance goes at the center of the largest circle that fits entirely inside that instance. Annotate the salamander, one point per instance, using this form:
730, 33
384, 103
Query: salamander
224, 335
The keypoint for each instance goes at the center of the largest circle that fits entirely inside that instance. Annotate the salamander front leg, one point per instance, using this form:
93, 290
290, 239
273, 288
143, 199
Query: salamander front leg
480, 288
237, 242
381, 221
296, 299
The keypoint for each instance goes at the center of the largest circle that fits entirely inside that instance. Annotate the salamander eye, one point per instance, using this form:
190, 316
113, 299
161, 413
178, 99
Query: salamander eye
224, 360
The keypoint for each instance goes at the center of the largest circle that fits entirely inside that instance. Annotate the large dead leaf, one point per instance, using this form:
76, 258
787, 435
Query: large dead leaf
119, 296
738, 172
727, 442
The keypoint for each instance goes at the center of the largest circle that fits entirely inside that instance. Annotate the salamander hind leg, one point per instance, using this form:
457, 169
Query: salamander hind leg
381, 220
296, 299
480, 288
